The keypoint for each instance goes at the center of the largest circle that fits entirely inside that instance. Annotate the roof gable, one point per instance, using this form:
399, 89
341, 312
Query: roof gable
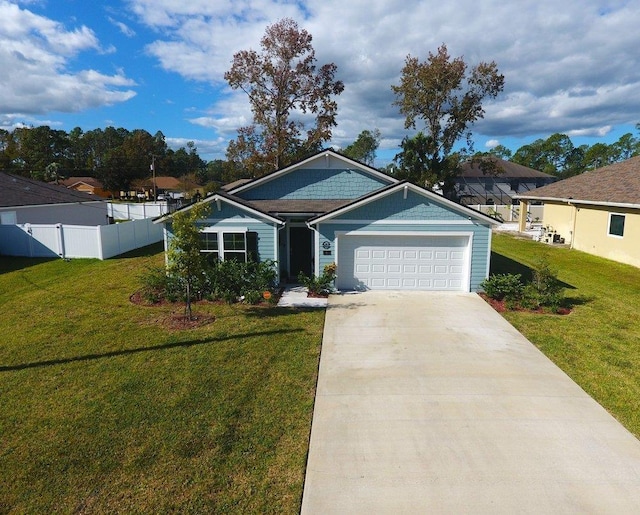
326, 175
18, 191
420, 204
221, 197
617, 184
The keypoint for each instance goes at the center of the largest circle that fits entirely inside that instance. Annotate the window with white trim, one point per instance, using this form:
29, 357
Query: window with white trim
209, 244
241, 246
616, 224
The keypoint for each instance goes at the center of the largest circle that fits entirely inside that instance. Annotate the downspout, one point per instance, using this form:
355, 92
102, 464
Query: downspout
278, 260
573, 225
316, 249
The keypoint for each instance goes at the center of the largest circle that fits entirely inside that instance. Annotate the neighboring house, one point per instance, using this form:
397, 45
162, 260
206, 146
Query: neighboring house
382, 233
596, 212
499, 185
169, 187
25, 201
88, 185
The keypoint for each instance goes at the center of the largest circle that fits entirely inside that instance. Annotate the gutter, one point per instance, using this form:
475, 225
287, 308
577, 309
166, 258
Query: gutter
572, 201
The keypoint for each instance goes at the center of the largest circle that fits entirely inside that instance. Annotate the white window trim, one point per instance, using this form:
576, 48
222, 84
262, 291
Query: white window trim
220, 231
624, 216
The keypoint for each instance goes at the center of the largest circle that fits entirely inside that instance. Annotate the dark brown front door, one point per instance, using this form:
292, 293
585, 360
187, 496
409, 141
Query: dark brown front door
300, 251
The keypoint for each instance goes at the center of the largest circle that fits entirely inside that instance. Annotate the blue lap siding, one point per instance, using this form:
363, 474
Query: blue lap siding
317, 184
415, 214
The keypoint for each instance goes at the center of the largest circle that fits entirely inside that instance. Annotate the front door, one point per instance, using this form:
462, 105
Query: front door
300, 251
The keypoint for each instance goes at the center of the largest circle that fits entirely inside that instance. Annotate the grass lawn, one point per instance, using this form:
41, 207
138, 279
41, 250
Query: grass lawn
598, 344
102, 410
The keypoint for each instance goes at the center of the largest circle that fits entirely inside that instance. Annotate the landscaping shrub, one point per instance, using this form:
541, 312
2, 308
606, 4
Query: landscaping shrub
220, 280
544, 291
231, 279
322, 284
158, 286
503, 286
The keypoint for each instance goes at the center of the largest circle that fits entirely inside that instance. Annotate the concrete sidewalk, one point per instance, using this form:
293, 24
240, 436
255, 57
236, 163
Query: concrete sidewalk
433, 403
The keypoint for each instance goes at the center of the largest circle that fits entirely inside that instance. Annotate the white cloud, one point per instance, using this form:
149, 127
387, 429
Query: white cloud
492, 143
34, 55
122, 27
569, 69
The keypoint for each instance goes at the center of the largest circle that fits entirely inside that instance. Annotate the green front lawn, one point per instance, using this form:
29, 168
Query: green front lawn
598, 344
103, 410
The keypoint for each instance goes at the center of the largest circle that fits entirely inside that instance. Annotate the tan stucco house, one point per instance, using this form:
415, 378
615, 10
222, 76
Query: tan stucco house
597, 212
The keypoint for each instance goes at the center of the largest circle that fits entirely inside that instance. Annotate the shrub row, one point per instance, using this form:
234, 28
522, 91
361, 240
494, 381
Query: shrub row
231, 281
544, 291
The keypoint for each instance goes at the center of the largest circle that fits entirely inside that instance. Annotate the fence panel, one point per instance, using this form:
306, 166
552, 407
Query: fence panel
14, 241
129, 211
124, 237
81, 241
78, 241
46, 240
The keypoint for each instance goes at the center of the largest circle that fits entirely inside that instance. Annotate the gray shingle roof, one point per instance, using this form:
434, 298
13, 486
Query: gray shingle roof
20, 191
297, 206
506, 169
618, 183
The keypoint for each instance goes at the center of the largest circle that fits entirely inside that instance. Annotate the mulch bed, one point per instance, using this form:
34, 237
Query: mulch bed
177, 320
500, 307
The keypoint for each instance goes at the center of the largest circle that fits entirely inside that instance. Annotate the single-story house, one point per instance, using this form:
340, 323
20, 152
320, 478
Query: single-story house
89, 185
596, 212
499, 183
25, 201
382, 233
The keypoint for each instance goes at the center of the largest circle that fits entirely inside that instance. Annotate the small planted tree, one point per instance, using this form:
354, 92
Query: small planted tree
186, 263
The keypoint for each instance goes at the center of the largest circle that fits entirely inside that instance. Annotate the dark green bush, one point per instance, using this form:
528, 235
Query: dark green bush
544, 291
229, 280
503, 286
158, 286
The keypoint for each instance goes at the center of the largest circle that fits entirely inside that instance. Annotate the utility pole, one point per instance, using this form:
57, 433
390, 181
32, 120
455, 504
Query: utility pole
153, 172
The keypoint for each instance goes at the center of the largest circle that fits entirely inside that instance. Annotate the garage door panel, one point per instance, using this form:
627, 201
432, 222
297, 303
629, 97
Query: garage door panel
403, 262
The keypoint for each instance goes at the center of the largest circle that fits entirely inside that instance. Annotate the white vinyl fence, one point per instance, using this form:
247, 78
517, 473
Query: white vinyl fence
509, 213
133, 211
77, 241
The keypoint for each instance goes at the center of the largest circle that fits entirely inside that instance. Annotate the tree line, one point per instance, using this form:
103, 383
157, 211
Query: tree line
119, 158
294, 108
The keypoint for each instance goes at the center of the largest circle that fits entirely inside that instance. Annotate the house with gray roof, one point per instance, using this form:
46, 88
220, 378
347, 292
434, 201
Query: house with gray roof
382, 233
24, 200
494, 181
596, 212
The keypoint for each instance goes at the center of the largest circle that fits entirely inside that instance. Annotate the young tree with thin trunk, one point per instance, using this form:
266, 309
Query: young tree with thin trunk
447, 98
291, 99
185, 261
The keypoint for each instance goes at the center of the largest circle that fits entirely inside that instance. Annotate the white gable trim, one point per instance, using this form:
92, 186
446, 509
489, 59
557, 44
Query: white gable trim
405, 186
317, 157
217, 200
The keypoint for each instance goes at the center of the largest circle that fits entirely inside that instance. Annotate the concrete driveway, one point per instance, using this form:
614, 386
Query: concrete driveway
433, 403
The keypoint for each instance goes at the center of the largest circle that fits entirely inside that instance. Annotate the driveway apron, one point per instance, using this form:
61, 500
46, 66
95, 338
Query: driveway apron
433, 403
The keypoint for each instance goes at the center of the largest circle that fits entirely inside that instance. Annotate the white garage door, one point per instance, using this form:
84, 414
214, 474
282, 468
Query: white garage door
403, 262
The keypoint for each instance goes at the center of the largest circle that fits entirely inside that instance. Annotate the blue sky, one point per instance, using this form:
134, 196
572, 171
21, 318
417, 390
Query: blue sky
159, 64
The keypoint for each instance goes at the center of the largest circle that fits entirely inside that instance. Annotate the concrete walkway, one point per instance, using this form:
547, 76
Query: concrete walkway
433, 403
295, 296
